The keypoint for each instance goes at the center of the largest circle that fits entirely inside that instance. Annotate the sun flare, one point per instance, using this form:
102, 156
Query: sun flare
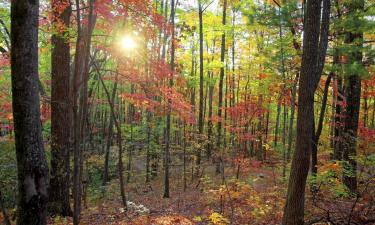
128, 43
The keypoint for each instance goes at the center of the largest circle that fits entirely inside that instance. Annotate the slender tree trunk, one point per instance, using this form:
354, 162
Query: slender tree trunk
109, 139
373, 115
210, 125
221, 85
32, 167
119, 138
168, 128
312, 60
314, 157
277, 120
201, 77
291, 120
184, 158
338, 125
148, 154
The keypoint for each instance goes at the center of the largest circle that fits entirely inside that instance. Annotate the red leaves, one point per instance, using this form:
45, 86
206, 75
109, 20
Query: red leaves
178, 104
4, 61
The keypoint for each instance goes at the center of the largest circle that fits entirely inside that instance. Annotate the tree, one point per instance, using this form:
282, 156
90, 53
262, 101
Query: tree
60, 111
168, 125
31, 161
353, 97
221, 85
312, 60
201, 77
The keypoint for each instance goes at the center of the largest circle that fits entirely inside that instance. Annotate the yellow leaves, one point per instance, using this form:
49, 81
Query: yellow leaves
217, 219
267, 147
59, 220
197, 219
170, 220
369, 36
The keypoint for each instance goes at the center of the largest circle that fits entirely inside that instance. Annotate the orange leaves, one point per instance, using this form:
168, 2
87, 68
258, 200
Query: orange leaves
335, 167
262, 76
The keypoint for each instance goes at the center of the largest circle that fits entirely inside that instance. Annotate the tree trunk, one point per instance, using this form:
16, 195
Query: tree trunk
60, 115
338, 125
291, 119
353, 98
119, 138
168, 125
109, 139
6, 220
277, 120
314, 159
201, 78
221, 85
32, 165
312, 60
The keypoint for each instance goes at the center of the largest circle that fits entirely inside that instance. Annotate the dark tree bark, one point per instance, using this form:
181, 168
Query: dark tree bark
314, 159
201, 78
31, 161
311, 63
6, 220
353, 98
60, 115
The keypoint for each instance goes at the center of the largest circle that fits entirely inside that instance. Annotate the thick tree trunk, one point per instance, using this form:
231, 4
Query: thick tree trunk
61, 116
353, 100
31, 161
6, 220
353, 91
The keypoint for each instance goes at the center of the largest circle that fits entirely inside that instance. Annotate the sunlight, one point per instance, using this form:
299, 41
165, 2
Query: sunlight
128, 43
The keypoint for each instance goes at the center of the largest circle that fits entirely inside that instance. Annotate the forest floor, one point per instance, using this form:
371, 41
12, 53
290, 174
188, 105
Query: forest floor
254, 195
256, 198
